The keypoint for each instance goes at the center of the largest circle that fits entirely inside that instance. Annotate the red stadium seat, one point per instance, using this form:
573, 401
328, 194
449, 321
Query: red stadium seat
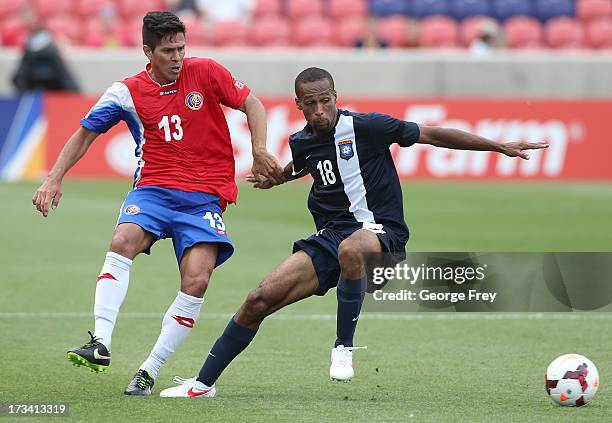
587, 10
271, 31
315, 31
564, 33
471, 28
65, 28
301, 9
349, 31
138, 8
12, 32
393, 31
599, 33
46, 8
344, 9
196, 33
91, 8
228, 34
523, 32
264, 8
438, 32
10, 7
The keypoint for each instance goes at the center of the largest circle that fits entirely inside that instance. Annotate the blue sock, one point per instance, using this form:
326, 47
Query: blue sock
234, 340
350, 295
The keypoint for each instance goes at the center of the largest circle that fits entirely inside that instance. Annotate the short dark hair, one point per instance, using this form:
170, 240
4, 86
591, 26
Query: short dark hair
157, 25
312, 75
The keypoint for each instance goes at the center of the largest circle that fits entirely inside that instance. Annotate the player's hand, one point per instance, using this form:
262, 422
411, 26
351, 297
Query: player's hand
266, 165
47, 196
262, 182
517, 149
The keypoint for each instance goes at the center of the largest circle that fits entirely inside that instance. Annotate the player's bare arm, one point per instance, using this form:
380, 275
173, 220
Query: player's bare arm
50, 192
289, 174
264, 163
461, 140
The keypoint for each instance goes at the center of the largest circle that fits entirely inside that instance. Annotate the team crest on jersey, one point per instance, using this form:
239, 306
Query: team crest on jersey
346, 149
132, 209
194, 100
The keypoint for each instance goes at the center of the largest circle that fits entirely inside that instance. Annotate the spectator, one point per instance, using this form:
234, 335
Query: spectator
489, 38
183, 7
370, 39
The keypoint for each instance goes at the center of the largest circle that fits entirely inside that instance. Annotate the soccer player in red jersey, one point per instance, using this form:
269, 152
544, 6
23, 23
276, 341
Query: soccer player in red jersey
184, 180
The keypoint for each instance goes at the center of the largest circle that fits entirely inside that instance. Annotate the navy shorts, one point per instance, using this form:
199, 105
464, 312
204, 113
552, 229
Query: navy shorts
322, 248
188, 218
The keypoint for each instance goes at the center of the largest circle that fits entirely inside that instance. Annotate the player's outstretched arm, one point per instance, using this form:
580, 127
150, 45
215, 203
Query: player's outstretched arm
264, 163
461, 140
288, 175
50, 192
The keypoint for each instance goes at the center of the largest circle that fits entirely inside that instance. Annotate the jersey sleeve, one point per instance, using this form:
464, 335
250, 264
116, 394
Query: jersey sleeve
298, 156
386, 130
229, 91
108, 111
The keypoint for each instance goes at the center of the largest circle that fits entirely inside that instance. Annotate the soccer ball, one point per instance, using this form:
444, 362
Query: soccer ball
571, 380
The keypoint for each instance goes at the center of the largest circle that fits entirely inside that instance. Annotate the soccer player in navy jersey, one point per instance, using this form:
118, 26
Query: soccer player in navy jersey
356, 203
184, 180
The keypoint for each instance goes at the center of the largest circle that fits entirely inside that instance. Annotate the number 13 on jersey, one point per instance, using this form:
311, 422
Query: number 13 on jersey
164, 124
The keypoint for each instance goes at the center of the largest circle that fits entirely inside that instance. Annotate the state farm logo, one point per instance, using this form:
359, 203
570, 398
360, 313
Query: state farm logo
440, 162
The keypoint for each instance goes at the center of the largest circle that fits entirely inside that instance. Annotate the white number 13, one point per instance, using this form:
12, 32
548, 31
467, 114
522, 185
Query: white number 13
165, 124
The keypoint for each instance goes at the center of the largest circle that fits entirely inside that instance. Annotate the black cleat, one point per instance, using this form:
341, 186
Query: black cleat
141, 384
93, 355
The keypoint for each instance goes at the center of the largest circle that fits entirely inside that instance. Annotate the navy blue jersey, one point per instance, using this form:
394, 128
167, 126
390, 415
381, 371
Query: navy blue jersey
355, 179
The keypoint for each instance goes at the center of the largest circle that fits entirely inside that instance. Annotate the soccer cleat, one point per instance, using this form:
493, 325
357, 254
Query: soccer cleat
341, 368
188, 388
93, 355
141, 384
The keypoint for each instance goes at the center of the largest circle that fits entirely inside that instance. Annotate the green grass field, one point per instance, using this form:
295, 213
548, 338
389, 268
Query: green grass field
417, 368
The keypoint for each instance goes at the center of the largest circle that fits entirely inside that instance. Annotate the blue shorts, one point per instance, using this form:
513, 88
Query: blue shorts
188, 218
322, 248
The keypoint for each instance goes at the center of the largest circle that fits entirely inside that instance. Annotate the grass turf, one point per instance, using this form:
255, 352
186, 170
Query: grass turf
417, 370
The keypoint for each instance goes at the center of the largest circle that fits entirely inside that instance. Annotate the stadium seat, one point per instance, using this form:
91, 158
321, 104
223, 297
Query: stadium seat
65, 28
302, 9
12, 32
472, 27
587, 10
10, 7
384, 8
523, 32
344, 9
563, 33
547, 9
599, 33
314, 31
424, 8
46, 8
393, 30
138, 8
92, 35
349, 31
438, 32
228, 34
504, 9
91, 8
196, 32
265, 8
462, 9
270, 31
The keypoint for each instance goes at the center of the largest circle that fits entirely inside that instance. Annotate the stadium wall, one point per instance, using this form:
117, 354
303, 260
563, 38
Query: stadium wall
394, 74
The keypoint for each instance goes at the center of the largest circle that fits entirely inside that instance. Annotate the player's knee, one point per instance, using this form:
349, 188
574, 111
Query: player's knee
123, 245
257, 303
195, 285
349, 254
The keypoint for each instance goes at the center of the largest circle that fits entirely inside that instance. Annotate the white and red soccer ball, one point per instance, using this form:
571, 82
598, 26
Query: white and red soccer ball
571, 380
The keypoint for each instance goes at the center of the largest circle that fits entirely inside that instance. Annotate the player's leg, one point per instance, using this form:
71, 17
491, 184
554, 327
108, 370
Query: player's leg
291, 281
350, 294
129, 239
196, 267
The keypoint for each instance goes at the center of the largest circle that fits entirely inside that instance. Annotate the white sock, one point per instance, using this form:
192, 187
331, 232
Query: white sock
110, 293
177, 324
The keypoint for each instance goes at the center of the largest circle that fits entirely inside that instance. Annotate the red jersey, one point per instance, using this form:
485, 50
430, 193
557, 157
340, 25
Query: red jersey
182, 138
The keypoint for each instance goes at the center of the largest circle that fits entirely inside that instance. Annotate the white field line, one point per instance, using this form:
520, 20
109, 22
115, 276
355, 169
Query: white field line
320, 317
